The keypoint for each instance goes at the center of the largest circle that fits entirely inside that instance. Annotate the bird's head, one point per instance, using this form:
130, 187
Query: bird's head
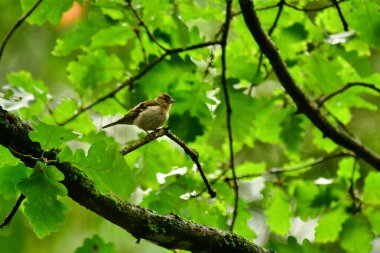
164, 99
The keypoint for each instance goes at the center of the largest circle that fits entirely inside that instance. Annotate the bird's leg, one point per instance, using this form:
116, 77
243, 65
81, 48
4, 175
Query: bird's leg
151, 136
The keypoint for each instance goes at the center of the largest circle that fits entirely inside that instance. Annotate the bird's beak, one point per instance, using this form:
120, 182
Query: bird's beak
171, 101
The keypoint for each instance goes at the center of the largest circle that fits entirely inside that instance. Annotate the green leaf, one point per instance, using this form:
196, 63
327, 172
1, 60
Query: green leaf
10, 175
360, 63
112, 36
304, 193
182, 30
323, 142
65, 109
80, 36
24, 79
105, 166
37, 103
7, 158
330, 225
43, 207
178, 125
346, 167
292, 246
373, 215
356, 236
115, 9
97, 245
292, 132
371, 192
241, 223
50, 136
278, 212
251, 168
366, 20
269, 126
94, 69
157, 157
48, 10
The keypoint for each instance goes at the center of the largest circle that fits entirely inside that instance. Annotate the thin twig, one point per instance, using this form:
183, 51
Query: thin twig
323, 100
10, 216
280, 6
311, 9
229, 109
279, 12
189, 151
194, 156
212, 182
356, 202
267, 7
133, 79
351, 189
344, 22
294, 168
293, 7
17, 25
151, 137
138, 35
257, 72
142, 23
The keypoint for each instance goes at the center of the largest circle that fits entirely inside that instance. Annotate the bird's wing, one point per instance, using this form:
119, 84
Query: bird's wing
135, 111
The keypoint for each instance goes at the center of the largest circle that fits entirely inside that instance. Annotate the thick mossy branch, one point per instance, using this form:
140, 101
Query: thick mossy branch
304, 105
169, 231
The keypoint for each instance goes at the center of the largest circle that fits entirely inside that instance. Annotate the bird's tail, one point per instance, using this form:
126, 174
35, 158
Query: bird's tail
120, 121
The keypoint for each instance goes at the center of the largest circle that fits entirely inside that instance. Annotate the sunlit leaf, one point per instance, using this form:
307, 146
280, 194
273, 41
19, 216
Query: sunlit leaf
43, 206
96, 244
371, 192
278, 212
105, 165
356, 236
50, 136
10, 176
330, 225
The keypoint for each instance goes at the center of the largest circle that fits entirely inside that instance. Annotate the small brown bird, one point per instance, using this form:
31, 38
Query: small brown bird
148, 115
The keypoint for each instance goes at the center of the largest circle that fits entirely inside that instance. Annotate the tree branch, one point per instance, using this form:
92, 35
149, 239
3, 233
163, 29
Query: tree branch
194, 156
303, 103
17, 25
226, 27
294, 168
9, 217
278, 15
311, 9
142, 23
323, 100
169, 231
189, 151
344, 22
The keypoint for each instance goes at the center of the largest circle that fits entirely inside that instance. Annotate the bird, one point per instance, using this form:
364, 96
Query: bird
147, 115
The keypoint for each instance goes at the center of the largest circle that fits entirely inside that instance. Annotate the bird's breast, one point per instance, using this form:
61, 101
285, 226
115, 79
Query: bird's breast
151, 118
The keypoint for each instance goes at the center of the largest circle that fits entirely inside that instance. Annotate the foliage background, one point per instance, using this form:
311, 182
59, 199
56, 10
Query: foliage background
75, 64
